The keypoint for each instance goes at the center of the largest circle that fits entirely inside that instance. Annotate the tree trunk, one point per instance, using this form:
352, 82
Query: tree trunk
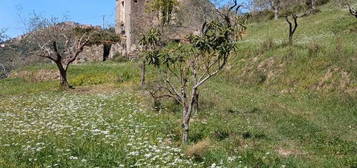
186, 117
290, 39
276, 13
185, 125
313, 4
275, 6
64, 82
292, 27
143, 73
196, 103
63, 76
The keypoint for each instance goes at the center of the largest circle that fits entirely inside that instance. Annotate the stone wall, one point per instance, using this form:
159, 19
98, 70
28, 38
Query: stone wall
91, 54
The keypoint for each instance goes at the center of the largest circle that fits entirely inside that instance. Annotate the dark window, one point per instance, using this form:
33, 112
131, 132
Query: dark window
122, 29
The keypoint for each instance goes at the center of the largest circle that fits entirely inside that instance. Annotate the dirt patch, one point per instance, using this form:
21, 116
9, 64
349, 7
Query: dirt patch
336, 79
271, 68
37, 76
264, 71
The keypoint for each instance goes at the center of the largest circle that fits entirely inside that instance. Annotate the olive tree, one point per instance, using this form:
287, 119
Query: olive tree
182, 69
59, 42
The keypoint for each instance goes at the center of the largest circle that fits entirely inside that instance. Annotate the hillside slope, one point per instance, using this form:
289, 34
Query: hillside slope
323, 57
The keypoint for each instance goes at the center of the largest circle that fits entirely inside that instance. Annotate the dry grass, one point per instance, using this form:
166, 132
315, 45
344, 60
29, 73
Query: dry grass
198, 149
37, 76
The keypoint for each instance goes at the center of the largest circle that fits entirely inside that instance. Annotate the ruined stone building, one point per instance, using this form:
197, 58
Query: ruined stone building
133, 19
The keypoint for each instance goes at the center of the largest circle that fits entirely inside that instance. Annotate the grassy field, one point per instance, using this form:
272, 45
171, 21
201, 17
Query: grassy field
274, 106
91, 126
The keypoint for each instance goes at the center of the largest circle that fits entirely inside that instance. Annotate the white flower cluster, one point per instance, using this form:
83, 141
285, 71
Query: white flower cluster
58, 129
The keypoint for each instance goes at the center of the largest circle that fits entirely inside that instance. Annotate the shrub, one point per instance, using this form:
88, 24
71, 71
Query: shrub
119, 57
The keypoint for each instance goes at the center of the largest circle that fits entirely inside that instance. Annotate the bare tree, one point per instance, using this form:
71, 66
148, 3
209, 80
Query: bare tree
276, 5
183, 69
292, 26
59, 42
292, 20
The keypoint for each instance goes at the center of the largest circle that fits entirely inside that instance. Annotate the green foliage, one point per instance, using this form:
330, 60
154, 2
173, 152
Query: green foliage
119, 57
98, 36
150, 43
151, 39
215, 43
105, 37
216, 37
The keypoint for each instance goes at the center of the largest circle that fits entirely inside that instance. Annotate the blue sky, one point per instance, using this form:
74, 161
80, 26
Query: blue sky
12, 12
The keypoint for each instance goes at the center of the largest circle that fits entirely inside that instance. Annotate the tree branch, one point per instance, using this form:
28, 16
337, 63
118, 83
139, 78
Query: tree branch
174, 91
295, 22
55, 48
352, 11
